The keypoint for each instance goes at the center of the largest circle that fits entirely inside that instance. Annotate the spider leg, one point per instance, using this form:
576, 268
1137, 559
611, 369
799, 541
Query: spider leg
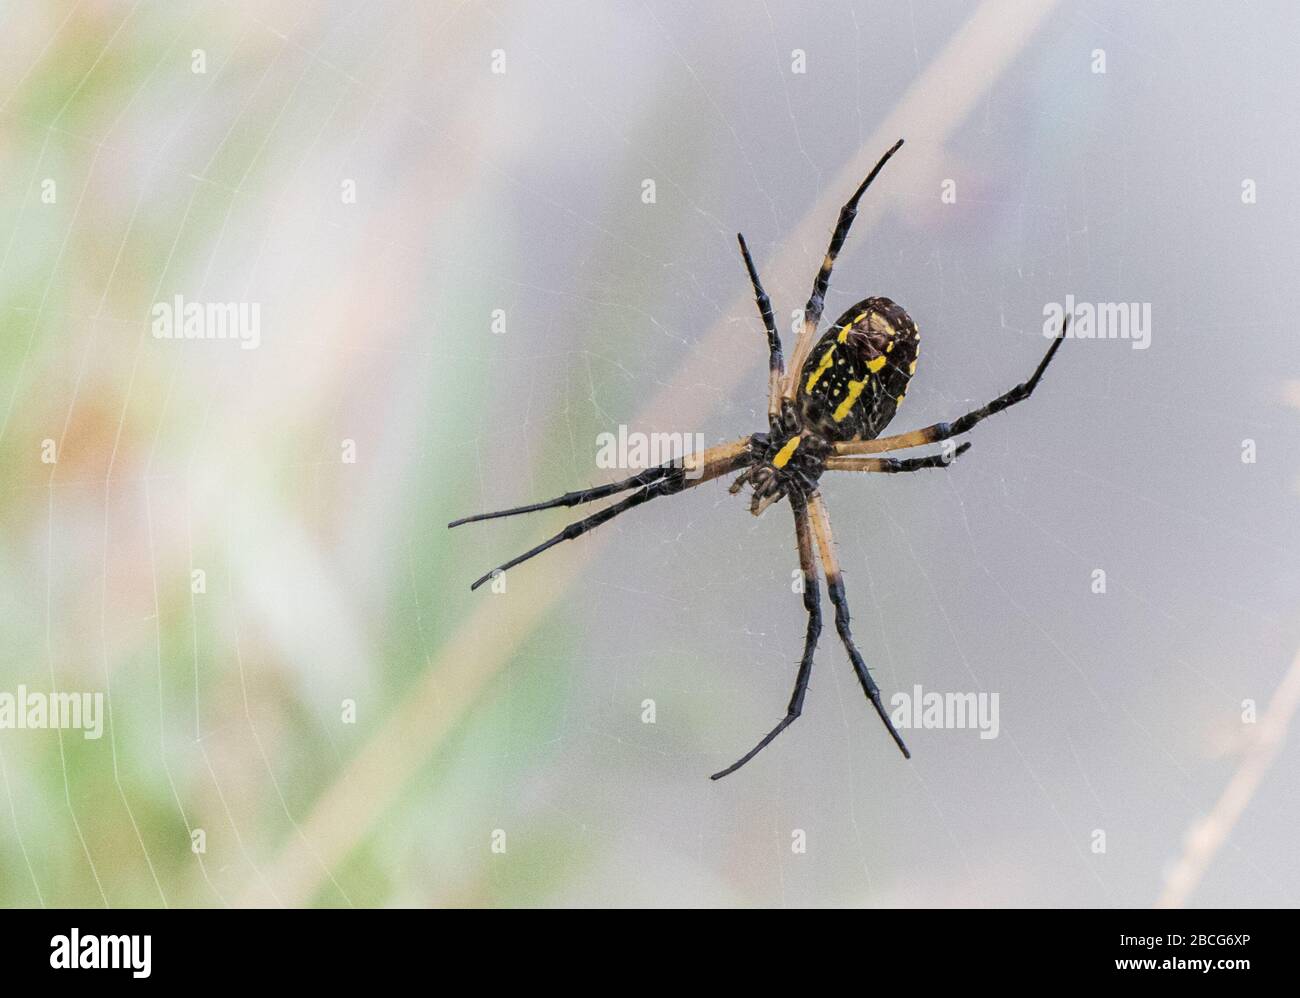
893, 465
576, 498
813, 310
776, 366
942, 431
695, 465
812, 603
695, 470
821, 523
580, 527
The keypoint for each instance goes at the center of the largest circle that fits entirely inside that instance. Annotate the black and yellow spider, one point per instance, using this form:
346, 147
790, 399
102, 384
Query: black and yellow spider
824, 415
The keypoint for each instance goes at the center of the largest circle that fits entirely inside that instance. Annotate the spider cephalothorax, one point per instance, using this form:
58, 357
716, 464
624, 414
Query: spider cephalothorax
826, 414
852, 383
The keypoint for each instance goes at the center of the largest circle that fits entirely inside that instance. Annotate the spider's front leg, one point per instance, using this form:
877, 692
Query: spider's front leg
811, 603
662, 480
821, 523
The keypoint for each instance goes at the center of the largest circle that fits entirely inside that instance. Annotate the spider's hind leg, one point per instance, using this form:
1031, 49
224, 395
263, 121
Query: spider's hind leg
895, 465
813, 310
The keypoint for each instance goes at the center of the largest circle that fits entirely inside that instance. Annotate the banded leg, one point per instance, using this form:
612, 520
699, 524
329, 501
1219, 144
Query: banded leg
811, 603
813, 310
576, 498
693, 464
821, 524
893, 465
943, 431
695, 470
776, 366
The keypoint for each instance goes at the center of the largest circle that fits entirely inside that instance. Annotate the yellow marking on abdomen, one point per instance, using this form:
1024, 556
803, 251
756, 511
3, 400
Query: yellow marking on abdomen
821, 368
848, 327
785, 453
855, 389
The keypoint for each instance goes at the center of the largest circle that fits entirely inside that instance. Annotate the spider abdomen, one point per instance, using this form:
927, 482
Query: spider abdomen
857, 374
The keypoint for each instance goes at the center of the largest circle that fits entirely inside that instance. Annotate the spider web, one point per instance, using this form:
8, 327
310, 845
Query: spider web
501, 751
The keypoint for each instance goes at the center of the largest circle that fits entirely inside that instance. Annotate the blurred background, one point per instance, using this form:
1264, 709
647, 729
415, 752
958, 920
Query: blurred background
463, 277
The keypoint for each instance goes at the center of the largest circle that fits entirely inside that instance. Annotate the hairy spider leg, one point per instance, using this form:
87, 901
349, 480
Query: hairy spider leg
942, 431
821, 522
776, 366
811, 603
694, 470
894, 465
576, 498
816, 302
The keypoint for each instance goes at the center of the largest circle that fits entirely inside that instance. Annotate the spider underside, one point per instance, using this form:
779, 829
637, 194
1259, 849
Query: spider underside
825, 413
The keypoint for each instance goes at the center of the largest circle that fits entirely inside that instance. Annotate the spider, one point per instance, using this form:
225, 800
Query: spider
825, 413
